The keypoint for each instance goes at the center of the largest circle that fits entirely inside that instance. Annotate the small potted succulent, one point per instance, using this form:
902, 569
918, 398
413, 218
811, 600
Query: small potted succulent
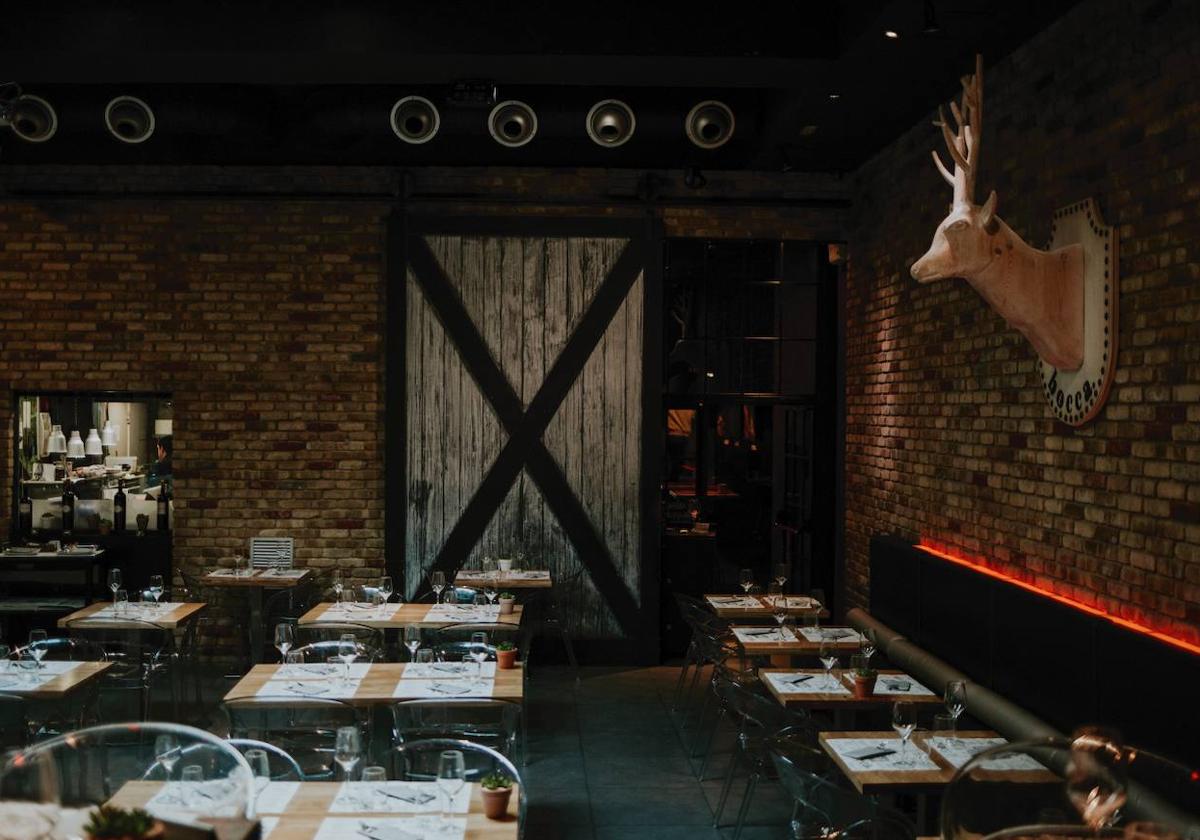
864, 683
110, 823
507, 600
497, 788
506, 656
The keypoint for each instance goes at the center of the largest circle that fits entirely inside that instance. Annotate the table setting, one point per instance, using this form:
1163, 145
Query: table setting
315, 680
444, 670
444, 688
30, 675
464, 613
899, 685
748, 602
182, 800
384, 828
880, 755
758, 635
397, 798
958, 751
840, 635
273, 797
354, 611
803, 683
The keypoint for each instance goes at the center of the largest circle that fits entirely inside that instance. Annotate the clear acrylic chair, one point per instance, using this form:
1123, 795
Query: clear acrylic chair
493, 723
110, 764
281, 765
306, 728
80, 708
370, 638
143, 656
418, 761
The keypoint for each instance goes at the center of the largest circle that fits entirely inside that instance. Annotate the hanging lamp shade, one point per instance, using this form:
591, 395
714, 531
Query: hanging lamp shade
162, 428
92, 445
57, 443
108, 435
75, 445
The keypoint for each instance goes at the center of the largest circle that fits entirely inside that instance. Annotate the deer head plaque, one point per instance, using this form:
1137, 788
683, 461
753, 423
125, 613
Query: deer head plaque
1064, 301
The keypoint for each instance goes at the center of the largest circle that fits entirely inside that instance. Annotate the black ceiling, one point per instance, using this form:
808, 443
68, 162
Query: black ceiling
305, 82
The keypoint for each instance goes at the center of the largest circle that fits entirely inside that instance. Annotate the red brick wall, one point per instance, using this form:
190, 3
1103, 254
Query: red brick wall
948, 435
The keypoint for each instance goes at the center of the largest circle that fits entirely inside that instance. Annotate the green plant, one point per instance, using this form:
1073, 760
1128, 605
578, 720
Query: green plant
506, 646
108, 821
496, 781
507, 596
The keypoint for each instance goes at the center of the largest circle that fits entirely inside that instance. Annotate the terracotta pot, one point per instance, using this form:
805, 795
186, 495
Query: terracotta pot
506, 605
495, 803
506, 660
864, 687
156, 832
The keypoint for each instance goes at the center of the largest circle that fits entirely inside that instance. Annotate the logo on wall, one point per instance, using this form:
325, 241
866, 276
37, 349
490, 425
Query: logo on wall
1064, 300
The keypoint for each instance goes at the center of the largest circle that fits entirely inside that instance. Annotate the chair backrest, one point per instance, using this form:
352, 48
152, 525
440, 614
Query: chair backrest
322, 651
496, 633
481, 720
66, 649
283, 767
300, 726
418, 761
758, 710
271, 552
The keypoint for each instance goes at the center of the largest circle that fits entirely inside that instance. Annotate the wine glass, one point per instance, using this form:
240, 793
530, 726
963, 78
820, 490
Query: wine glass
412, 640
120, 601
489, 579
956, 698
294, 657
780, 573
867, 644
156, 587
191, 777
452, 775
385, 588
167, 752
337, 585
904, 721
829, 658
347, 749
284, 638
425, 656
347, 651
746, 580
37, 645
479, 650
260, 766
437, 581
114, 583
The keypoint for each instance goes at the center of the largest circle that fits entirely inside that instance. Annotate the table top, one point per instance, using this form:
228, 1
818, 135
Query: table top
918, 780
384, 682
759, 606
521, 579
311, 802
90, 553
78, 675
401, 616
795, 644
835, 700
264, 578
87, 618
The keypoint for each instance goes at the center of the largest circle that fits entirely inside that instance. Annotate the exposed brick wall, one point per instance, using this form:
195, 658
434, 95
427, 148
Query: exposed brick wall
948, 435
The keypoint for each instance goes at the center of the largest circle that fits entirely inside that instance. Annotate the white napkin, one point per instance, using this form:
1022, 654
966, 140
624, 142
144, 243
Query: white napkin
391, 828
532, 574
228, 573
958, 751
396, 798
758, 635
323, 689
443, 689
139, 612
464, 613
797, 684
359, 612
273, 797
447, 670
840, 635
734, 602
213, 798
893, 685
910, 759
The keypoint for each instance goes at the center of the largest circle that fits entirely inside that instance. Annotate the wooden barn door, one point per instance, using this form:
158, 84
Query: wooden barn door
524, 384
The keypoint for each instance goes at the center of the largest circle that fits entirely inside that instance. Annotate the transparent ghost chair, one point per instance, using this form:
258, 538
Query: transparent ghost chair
176, 773
1088, 785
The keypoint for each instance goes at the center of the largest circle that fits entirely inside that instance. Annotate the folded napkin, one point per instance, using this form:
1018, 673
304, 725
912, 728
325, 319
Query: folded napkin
763, 634
958, 751
840, 635
899, 685
899, 761
786, 683
385, 828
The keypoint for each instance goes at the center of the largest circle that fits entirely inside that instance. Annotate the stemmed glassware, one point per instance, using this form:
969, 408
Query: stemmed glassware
347, 750
337, 585
412, 640
191, 776
867, 645
452, 775
829, 658
114, 583
284, 639
479, 651
37, 646
904, 721
956, 699
746, 580
260, 766
156, 587
167, 753
347, 652
437, 581
385, 588
490, 579
780, 574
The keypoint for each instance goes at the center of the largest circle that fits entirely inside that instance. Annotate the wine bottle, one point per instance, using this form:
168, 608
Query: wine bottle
68, 508
119, 507
164, 507
25, 511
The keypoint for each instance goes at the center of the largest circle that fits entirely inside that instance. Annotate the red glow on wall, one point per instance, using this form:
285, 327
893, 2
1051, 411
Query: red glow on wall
976, 566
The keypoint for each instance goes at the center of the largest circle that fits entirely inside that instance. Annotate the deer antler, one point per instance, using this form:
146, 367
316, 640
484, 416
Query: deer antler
963, 143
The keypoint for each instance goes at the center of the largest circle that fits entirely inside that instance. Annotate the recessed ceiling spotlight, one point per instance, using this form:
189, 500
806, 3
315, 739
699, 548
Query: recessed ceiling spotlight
835, 96
891, 33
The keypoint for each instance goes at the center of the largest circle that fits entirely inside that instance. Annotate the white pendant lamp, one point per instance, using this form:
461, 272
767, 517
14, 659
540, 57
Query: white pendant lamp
75, 445
92, 445
108, 435
57, 443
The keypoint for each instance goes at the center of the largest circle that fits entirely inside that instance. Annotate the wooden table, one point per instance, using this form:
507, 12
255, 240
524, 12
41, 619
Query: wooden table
379, 685
763, 610
504, 581
407, 614
311, 803
132, 620
254, 582
828, 700
59, 687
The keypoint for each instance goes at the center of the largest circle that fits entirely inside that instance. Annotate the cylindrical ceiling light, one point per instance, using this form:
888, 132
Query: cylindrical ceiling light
709, 125
56, 444
414, 119
108, 435
92, 445
512, 123
129, 119
75, 446
610, 123
33, 119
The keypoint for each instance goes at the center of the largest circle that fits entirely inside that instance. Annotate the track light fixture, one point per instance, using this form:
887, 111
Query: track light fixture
415, 119
129, 119
512, 123
30, 117
610, 123
710, 124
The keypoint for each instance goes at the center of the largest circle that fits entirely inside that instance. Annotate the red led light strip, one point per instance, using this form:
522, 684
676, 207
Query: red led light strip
1063, 599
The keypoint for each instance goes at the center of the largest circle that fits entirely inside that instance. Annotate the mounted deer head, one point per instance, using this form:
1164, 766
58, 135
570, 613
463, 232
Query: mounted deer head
1040, 293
